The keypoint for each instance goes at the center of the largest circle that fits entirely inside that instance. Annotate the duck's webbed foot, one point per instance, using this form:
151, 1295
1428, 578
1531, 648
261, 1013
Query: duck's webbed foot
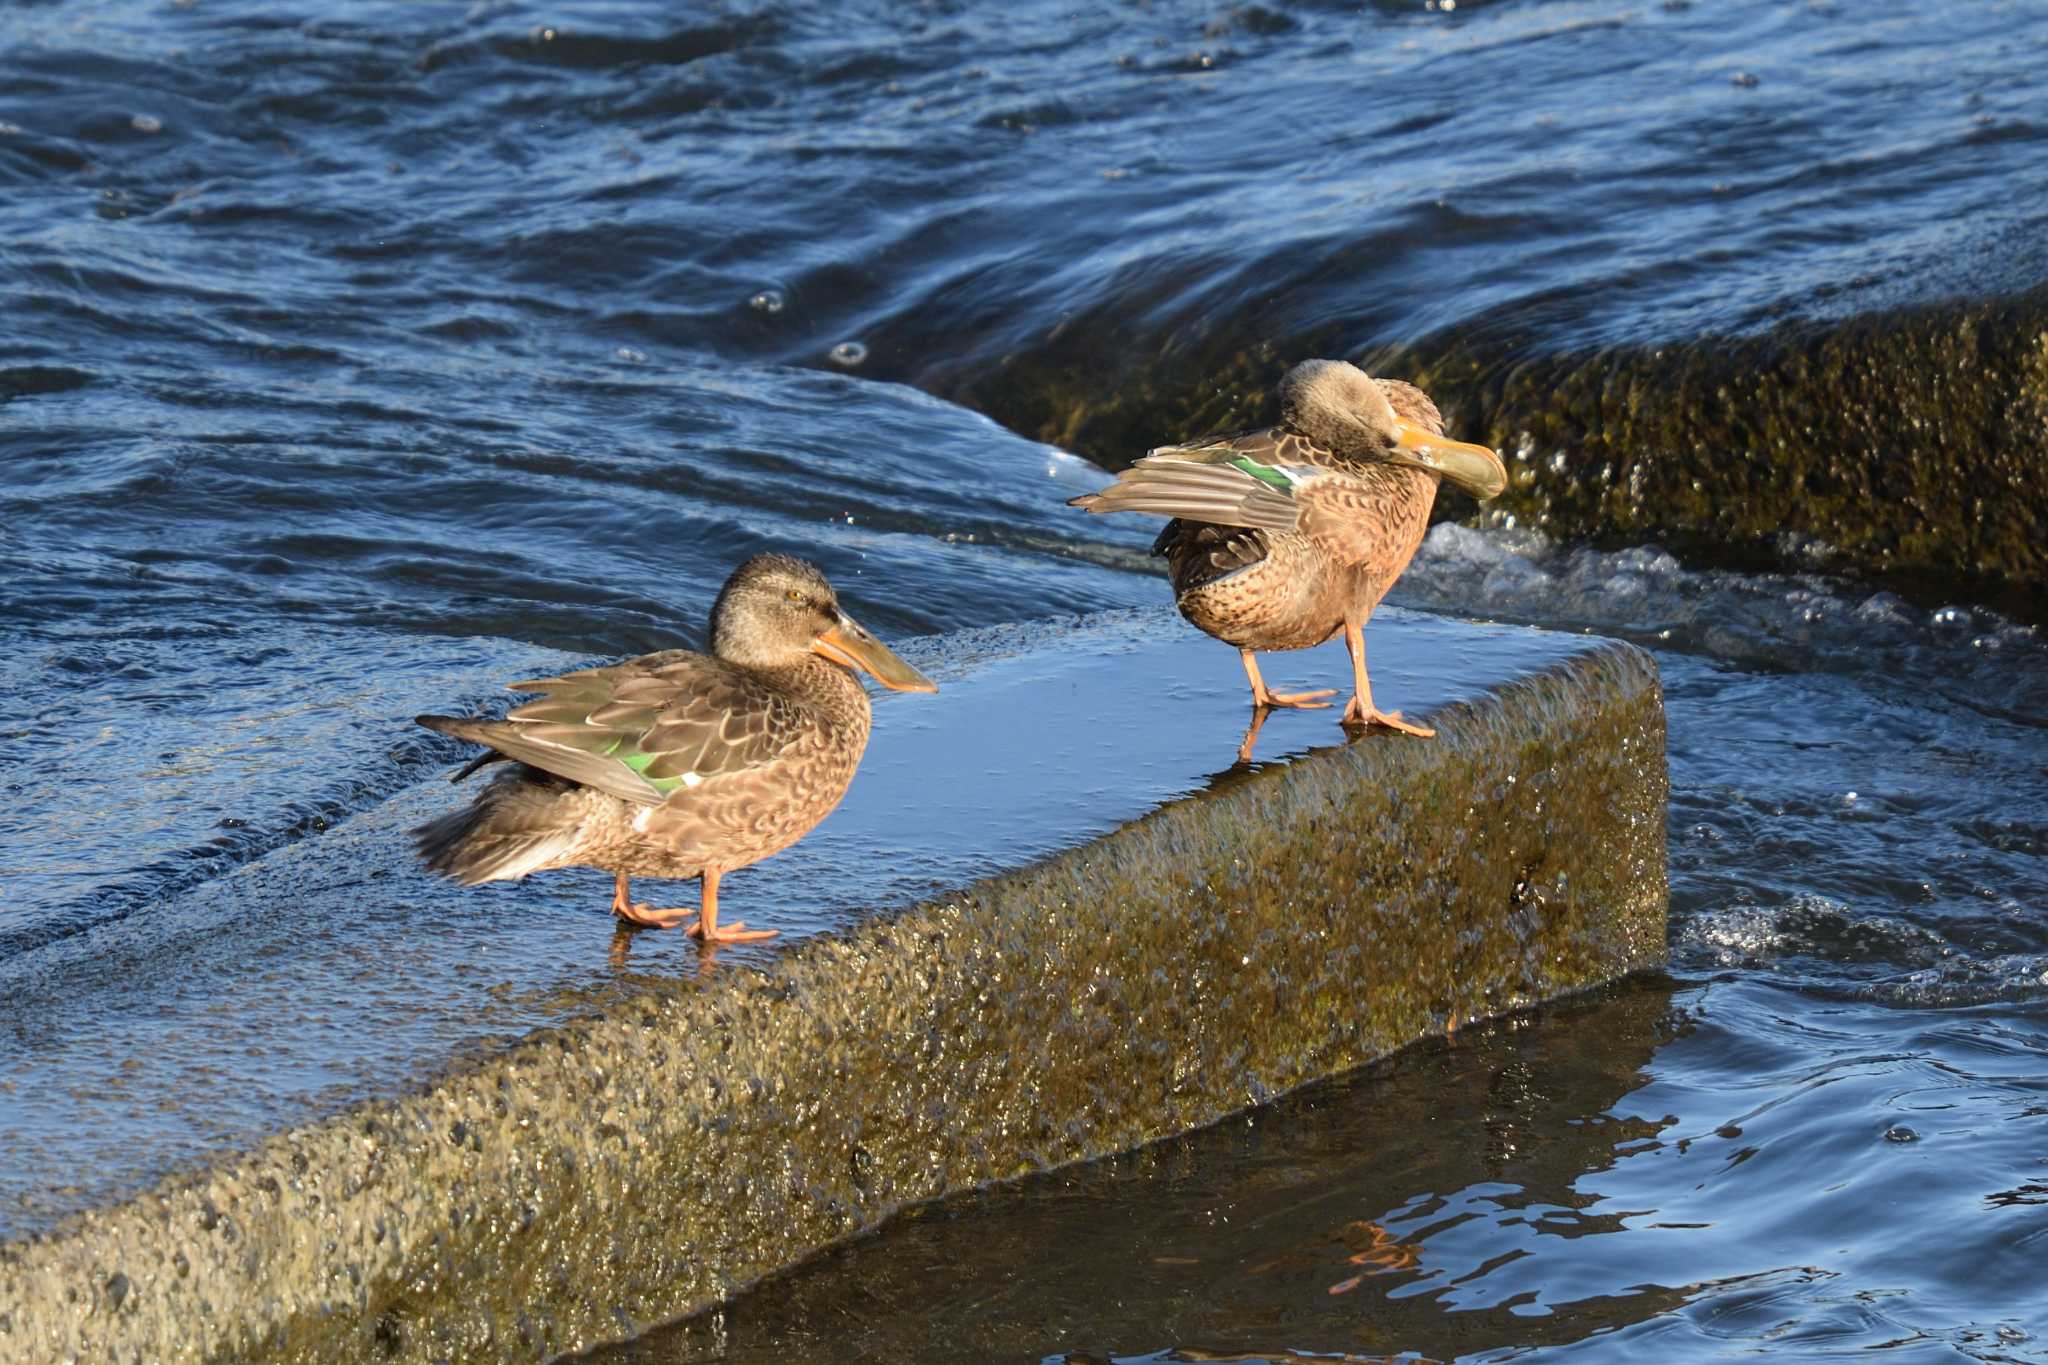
1265, 700
707, 930
1360, 716
648, 917
1361, 713
736, 932
644, 916
1298, 701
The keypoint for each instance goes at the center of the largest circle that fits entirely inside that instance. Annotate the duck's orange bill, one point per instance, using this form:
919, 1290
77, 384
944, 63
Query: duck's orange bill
1475, 469
849, 645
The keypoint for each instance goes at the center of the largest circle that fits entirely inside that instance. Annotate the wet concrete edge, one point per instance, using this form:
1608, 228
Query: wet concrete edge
651, 1160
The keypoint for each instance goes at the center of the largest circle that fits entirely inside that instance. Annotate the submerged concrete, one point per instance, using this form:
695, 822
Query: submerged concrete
646, 1161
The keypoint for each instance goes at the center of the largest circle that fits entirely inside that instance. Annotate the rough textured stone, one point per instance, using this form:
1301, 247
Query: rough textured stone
1913, 444
652, 1159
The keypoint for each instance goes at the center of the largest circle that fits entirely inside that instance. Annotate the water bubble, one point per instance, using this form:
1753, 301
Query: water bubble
1745, 80
631, 356
1952, 617
1899, 1132
146, 123
849, 354
768, 301
546, 33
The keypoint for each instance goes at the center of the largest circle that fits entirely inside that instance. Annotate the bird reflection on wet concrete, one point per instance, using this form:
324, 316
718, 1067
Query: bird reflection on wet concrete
1244, 764
665, 958
1342, 1223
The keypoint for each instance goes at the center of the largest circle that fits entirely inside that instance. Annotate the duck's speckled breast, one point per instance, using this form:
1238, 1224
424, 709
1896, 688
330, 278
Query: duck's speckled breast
1292, 598
1356, 537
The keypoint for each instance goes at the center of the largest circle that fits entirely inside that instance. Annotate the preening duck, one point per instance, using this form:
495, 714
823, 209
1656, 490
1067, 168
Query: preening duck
1289, 536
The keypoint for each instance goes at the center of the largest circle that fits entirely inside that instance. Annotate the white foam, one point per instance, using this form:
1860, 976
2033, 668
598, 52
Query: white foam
1800, 621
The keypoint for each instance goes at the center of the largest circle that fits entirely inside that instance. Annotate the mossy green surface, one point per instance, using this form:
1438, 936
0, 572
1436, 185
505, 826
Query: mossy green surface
1911, 444
650, 1160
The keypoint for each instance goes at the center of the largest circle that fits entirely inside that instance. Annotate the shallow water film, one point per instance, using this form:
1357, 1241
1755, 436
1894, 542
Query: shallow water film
357, 361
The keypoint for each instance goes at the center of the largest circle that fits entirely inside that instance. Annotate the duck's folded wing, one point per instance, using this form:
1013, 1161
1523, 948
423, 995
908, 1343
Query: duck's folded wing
640, 730
1233, 490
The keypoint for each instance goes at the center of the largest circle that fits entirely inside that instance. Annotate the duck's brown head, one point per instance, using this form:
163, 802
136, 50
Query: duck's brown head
1340, 406
777, 610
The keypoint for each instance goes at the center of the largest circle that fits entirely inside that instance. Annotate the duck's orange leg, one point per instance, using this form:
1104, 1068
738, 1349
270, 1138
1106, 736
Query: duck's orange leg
645, 916
1304, 701
1361, 711
706, 929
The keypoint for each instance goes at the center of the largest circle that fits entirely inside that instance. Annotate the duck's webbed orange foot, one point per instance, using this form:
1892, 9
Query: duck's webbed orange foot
736, 932
1298, 701
644, 916
1357, 716
647, 917
707, 930
1264, 700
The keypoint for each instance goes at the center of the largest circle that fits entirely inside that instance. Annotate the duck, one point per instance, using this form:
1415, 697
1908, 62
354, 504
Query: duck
1288, 536
678, 764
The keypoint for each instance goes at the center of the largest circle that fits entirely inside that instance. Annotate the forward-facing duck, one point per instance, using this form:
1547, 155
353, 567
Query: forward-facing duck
679, 764
1289, 536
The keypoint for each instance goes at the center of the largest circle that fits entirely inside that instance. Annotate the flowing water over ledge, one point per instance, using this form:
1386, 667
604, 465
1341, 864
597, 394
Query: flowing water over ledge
353, 359
1088, 224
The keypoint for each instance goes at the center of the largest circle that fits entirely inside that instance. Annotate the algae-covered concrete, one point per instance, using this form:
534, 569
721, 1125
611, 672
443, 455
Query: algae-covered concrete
1911, 443
646, 1162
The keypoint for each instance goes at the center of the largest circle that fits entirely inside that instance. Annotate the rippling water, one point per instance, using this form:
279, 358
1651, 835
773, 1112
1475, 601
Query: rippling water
356, 362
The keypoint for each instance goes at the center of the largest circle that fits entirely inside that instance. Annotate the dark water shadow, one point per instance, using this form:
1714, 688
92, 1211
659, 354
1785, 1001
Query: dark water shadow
1323, 1225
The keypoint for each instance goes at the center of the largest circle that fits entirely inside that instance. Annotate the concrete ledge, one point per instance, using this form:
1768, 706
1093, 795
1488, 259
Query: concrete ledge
598, 1178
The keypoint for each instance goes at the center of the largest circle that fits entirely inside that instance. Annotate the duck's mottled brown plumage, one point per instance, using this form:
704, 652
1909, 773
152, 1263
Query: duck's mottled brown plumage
1290, 536
771, 754
678, 764
1264, 589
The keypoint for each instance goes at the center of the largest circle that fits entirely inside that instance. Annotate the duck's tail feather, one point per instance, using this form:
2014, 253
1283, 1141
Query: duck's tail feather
520, 823
482, 760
